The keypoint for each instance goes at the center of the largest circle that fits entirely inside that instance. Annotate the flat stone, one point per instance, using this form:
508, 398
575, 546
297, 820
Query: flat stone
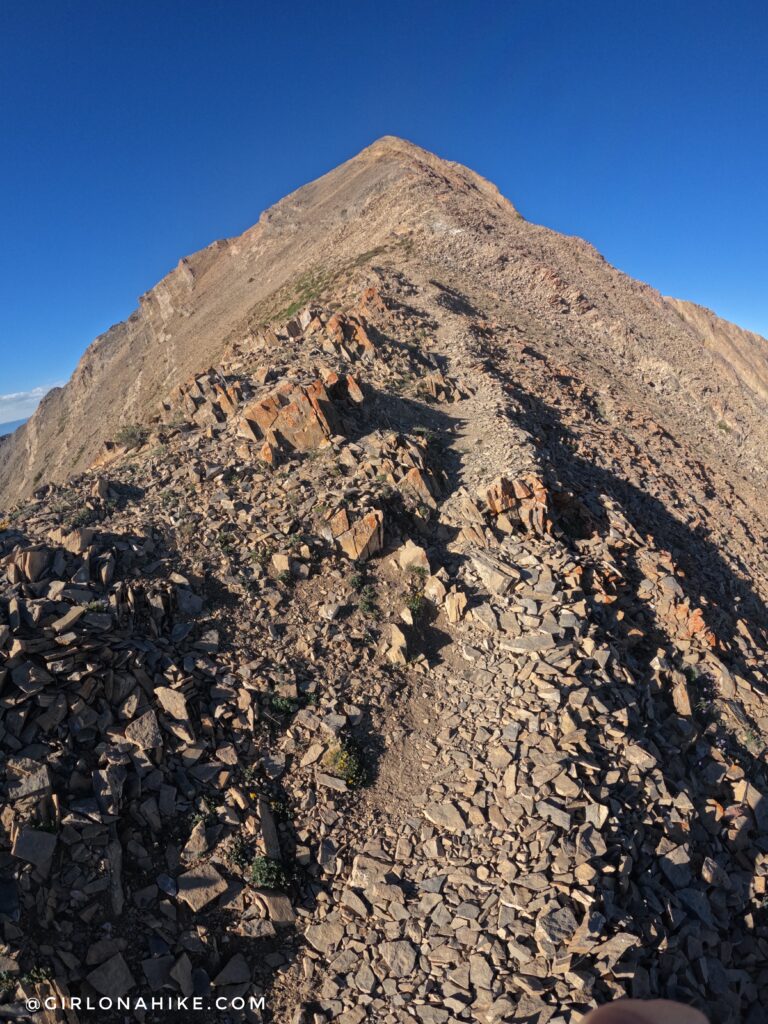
400, 957
325, 936
556, 925
446, 816
144, 732
157, 971
676, 865
279, 908
367, 871
27, 778
67, 621
235, 972
553, 813
34, 846
200, 886
497, 576
112, 978
173, 702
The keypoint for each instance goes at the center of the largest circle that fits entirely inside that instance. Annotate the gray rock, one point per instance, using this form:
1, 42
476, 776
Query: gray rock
446, 816
34, 846
200, 886
112, 978
400, 957
144, 732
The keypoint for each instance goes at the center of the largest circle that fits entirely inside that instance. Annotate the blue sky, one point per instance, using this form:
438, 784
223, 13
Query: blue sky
135, 133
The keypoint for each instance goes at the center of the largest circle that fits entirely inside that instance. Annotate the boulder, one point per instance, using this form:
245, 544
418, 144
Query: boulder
364, 538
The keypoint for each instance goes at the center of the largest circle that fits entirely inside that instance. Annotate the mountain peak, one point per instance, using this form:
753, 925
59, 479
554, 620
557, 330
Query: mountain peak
397, 204
395, 492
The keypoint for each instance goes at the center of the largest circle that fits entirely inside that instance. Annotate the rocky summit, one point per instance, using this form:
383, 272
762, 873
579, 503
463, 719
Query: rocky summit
382, 633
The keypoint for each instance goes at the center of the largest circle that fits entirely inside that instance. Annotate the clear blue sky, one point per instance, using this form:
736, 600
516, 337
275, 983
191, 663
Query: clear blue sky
136, 132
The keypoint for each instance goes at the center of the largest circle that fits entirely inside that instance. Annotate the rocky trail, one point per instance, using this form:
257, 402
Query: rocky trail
389, 673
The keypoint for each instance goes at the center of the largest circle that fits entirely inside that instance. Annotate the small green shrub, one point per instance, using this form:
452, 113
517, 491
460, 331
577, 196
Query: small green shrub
207, 817
268, 874
83, 517
226, 541
133, 435
283, 705
417, 604
345, 760
367, 602
34, 976
240, 852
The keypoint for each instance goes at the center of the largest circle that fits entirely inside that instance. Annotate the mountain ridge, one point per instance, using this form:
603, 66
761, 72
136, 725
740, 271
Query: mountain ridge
392, 197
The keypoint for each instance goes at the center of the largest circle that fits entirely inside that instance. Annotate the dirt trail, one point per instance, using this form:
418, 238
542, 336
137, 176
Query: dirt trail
394, 674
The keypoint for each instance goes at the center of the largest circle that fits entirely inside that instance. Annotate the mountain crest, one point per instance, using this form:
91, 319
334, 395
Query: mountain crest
398, 206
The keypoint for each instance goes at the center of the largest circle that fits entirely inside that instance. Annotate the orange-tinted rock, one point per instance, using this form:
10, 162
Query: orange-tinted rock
415, 481
248, 430
335, 327
499, 496
441, 388
472, 536
360, 336
353, 390
349, 334
227, 398
338, 523
365, 537
371, 299
527, 496
299, 417
267, 453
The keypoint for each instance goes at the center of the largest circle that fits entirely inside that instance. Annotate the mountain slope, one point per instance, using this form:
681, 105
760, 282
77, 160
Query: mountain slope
397, 675
402, 207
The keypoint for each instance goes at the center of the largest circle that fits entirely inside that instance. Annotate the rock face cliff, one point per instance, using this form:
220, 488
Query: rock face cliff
399, 206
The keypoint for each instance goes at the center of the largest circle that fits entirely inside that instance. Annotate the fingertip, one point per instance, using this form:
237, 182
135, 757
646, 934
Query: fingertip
637, 1011
613, 1014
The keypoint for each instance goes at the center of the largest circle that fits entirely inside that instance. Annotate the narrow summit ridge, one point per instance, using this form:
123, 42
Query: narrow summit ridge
383, 631
398, 205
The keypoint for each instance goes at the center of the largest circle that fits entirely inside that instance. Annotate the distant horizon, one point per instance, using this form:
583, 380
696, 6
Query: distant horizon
9, 426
